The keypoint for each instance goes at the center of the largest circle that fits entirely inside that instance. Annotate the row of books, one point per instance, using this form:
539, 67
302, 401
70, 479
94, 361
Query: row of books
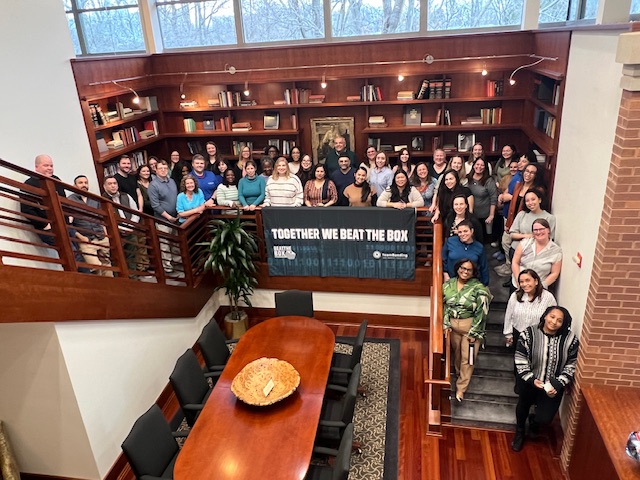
544, 121
138, 159
228, 98
434, 89
293, 96
465, 144
236, 147
370, 93
377, 121
546, 90
495, 88
117, 110
126, 136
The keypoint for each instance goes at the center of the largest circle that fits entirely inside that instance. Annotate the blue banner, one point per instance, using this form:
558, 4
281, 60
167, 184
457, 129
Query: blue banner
340, 242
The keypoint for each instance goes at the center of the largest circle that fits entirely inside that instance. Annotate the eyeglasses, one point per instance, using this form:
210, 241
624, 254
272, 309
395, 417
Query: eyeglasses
539, 230
465, 269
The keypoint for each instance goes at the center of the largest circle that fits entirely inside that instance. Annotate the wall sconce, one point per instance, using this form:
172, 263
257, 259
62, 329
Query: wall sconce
512, 81
136, 97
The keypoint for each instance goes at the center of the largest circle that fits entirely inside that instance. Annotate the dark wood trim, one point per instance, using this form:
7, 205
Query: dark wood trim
37, 295
37, 476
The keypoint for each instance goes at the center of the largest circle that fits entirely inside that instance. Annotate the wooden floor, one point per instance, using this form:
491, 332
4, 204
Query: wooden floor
461, 453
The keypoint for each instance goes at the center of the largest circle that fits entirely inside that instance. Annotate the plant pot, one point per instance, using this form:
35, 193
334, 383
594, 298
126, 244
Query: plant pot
235, 328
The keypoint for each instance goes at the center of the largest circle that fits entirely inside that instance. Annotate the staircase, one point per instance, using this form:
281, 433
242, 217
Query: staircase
490, 401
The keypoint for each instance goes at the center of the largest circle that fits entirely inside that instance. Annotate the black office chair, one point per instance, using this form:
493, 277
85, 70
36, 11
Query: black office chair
190, 384
342, 363
337, 413
294, 302
340, 468
150, 447
213, 346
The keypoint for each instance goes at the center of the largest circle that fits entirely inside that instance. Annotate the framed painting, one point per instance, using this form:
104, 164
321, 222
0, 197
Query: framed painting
325, 130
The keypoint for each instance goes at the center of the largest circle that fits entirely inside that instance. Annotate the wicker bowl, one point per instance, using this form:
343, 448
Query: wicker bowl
249, 384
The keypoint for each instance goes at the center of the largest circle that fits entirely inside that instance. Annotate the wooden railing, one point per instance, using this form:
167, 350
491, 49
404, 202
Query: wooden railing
436, 365
135, 247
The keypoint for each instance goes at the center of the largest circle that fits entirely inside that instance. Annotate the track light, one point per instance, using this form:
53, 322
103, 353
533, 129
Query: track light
323, 84
247, 92
229, 69
136, 97
512, 80
400, 77
182, 94
484, 70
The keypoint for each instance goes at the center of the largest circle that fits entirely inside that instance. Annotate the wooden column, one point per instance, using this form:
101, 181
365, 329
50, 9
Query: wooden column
609, 352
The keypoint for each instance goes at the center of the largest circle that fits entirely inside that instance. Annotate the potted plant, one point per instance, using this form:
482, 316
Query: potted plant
231, 252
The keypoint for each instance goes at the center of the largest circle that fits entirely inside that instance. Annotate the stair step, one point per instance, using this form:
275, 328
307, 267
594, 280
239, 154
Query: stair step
502, 362
481, 413
490, 389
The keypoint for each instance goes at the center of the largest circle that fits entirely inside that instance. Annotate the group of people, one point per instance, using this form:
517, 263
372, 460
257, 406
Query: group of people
508, 197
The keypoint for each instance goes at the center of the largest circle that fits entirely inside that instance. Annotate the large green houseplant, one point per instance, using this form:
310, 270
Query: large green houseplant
231, 252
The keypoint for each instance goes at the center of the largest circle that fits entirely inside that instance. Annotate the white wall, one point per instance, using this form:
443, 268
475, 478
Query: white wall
590, 113
119, 368
38, 404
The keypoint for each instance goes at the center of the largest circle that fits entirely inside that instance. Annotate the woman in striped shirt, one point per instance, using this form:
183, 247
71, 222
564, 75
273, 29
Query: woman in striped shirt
283, 189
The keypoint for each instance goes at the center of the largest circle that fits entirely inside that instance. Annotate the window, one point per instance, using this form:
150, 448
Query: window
553, 11
262, 20
458, 14
373, 17
635, 7
105, 26
196, 23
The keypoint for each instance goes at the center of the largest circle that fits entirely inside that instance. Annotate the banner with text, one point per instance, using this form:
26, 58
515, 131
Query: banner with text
340, 242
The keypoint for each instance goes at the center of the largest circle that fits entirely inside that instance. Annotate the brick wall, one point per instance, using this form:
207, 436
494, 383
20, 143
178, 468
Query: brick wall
609, 353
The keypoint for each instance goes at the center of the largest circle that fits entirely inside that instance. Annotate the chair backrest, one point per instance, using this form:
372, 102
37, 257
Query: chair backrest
356, 354
294, 302
189, 383
343, 459
213, 345
150, 446
349, 399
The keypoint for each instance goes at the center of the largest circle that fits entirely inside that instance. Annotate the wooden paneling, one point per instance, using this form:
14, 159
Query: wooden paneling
34, 295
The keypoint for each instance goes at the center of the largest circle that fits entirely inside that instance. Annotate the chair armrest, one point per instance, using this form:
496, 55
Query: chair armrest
336, 388
232, 341
341, 370
193, 406
332, 452
332, 423
181, 433
212, 374
346, 340
216, 368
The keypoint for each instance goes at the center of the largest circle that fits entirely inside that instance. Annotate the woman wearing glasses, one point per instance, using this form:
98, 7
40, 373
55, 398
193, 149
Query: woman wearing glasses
538, 253
466, 305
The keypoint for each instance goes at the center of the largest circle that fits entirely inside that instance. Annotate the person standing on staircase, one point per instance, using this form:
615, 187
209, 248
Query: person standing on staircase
466, 305
546, 357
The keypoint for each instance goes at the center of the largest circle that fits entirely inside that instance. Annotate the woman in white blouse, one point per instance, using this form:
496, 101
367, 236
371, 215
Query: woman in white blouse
401, 194
283, 188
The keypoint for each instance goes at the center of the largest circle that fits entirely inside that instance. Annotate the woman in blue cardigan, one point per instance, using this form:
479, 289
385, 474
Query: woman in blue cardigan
251, 187
464, 246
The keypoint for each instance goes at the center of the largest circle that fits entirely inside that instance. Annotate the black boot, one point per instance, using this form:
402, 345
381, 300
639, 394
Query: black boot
518, 440
534, 427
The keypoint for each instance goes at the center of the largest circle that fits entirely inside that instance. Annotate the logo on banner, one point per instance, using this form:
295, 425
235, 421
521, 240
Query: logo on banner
284, 251
377, 254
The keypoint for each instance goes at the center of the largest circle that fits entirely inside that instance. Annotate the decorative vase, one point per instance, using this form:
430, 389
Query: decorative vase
234, 328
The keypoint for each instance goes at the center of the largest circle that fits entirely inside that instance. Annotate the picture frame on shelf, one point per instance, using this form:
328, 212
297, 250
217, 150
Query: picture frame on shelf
417, 143
466, 141
325, 130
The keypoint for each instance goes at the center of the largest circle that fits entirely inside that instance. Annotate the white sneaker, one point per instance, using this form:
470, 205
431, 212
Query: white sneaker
494, 244
503, 270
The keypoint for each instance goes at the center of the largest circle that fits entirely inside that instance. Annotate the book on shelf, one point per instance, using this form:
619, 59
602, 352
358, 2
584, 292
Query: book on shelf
370, 93
296, 95
449, 147
423, 91
241, 127
466, 141
236, 147
115, 144
274, 142
318, 98
447, 117
494, 143
225, 123
189, 104
417, 143
545, 122
435, 89
399, 148
495, 88
102, 144
151, 125
428, 124
148, 104
412, 115
248, 103
491, 116
194, 147
294, 121
447, 88
287, 146
208, 123
540, 157
439, 116
271, 120
147, 134
377, 121
472, 120
213, 102
279, 102
546, 89
189, 125
97, 115
354, 98
229, 98
435, 143
405, 95
386, 147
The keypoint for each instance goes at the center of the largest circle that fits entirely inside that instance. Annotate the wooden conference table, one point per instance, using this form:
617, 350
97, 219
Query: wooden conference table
232, 440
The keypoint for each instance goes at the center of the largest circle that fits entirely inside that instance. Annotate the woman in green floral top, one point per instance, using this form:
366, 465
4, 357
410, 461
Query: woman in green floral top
466, 304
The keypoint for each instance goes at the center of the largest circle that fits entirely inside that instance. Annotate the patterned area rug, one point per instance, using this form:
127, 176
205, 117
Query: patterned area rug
377, 414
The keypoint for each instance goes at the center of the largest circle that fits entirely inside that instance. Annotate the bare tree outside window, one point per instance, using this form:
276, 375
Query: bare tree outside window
196, 24
460, 14
262, 21
373, 17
